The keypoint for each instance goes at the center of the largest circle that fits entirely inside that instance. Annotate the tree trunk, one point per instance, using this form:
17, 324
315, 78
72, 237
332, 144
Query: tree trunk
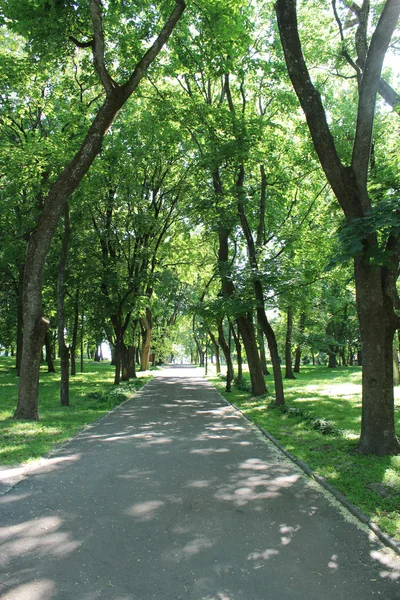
259, 295
20, 321
396, 372
275, 359
124, 363
216, 352
35, 325
245, 322
288, 345
120, 325
132, 362
332, 359
62, 347
75, 328
248, 336
377, 326
297, 357
146, 325
376, 293
82, 341
131, 352
351, 356
343, 356
263, 355
238, 347
117, 368
200, 352
226, 350
49, 353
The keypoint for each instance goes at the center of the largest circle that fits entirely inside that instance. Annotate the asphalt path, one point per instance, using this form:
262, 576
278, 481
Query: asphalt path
174, 495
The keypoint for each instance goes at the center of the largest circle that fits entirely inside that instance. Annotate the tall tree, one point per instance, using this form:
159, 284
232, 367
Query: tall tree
377, 297
116, 94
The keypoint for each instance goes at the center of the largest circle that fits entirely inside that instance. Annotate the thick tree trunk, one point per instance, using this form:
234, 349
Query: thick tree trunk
332, 364
120, 325
35, 325
248, 336
288, 345
378, 435
50, 351
275, 358
227, 352
62, 347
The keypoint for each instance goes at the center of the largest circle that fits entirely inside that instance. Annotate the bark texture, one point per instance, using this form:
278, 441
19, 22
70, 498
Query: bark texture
288, 345
63, 350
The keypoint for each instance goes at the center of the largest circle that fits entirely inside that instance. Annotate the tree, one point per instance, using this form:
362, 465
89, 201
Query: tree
35, 325
377, 297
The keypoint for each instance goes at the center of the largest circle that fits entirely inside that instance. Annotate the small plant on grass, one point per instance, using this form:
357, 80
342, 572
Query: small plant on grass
324, 426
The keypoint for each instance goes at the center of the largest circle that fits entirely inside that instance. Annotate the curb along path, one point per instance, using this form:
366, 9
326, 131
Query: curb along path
174, 495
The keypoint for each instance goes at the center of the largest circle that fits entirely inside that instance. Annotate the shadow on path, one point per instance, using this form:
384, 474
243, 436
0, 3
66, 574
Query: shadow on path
174, 496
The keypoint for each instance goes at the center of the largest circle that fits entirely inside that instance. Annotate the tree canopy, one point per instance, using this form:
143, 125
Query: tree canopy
225, 164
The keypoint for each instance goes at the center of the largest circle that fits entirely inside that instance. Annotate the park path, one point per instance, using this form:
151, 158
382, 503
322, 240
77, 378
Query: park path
174, 495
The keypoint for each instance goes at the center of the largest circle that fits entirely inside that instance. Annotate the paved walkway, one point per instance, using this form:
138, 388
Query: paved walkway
175, 496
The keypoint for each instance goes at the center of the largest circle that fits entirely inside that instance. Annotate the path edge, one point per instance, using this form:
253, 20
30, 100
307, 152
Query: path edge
28, 468
352, 508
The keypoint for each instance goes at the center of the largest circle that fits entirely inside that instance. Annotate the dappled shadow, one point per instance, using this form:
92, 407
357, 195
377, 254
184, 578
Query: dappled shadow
174, 496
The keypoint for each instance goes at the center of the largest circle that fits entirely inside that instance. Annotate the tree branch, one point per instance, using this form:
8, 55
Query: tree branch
89, 44
369, 87
311, 103
98, 47
143, 64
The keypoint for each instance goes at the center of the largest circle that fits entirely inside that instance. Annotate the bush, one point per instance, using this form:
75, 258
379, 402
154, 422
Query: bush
243, 385
324, 426
98, 396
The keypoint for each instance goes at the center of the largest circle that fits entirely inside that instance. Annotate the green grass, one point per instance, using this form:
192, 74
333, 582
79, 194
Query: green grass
92, 394
372, 483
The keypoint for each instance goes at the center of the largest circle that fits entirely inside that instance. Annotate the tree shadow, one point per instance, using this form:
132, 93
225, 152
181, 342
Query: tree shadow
174, 496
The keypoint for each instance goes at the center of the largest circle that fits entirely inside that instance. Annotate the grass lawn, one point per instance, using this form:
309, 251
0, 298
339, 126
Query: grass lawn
330, 399
92, 394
